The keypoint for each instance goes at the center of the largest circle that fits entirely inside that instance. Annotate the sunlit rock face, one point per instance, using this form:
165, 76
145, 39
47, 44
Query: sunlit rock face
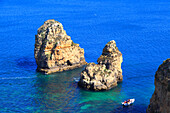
112, 58
54, 50
160, 101
106, 73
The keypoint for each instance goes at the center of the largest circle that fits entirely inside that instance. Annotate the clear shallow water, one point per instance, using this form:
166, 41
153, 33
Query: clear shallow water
140, 28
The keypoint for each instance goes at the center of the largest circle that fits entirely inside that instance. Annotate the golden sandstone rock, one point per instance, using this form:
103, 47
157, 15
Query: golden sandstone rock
106, 73
54, 50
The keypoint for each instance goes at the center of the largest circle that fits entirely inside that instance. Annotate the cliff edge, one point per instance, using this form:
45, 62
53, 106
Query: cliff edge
160, 101
106, 73
54, 50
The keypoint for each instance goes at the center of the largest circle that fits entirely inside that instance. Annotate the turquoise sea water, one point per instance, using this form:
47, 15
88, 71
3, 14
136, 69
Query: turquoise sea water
141, 29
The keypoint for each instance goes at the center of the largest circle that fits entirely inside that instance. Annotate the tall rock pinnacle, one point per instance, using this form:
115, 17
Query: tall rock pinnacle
54, 50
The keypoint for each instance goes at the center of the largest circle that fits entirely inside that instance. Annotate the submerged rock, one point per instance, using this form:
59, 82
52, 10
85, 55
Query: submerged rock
54, 50
160, 101
106, 73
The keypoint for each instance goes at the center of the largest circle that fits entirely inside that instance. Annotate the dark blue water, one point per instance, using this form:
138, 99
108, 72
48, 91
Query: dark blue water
141, 29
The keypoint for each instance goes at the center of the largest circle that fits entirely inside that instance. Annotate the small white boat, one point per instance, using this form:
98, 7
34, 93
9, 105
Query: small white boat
128, 102
76, 79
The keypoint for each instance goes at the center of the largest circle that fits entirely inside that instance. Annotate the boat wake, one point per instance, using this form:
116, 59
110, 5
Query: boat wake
10, 78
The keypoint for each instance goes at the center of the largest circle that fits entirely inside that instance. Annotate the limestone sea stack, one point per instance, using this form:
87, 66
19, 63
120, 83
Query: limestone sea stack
54, 50
106, 73
160, 101
112, 58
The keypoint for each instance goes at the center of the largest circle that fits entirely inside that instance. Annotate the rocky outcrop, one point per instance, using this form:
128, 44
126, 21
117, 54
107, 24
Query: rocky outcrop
106, 73
54, 50
160, 101
112, 58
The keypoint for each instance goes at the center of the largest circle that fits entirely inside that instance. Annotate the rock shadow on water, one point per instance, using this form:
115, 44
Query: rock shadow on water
26, 63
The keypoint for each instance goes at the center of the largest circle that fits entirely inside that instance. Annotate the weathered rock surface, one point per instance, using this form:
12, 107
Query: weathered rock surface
160, 101
112, 58
106, 73
54, 50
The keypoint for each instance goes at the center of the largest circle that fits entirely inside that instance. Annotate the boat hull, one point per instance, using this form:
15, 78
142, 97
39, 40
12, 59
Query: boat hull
128, 103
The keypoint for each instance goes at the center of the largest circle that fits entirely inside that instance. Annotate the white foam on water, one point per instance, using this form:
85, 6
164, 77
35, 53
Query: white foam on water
76, 79
7, 78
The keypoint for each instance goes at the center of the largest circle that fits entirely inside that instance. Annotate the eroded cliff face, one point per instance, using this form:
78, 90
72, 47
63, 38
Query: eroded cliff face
106, 73
160, 101
54, 50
